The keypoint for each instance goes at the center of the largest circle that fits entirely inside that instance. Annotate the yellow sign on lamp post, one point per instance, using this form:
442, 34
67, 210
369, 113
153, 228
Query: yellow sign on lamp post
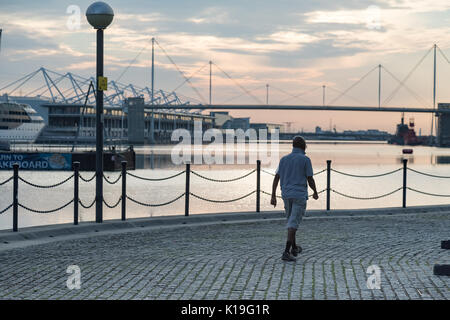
102, 83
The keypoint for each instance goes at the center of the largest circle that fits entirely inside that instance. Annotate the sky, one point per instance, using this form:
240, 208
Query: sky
294, 46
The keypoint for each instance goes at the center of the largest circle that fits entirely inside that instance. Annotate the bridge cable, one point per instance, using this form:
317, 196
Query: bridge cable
352, 86
443, 55
181, 72
239, 85
402, 83
132, 61
347, 95
416, 96
287, 93
241, 94
190, 77
301, 94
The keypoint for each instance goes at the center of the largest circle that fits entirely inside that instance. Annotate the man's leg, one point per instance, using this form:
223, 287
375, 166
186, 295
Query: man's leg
294, 244
290, 239
291, 231
297, 211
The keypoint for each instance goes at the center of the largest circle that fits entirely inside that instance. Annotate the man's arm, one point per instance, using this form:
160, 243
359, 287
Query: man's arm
312, 185
273, 201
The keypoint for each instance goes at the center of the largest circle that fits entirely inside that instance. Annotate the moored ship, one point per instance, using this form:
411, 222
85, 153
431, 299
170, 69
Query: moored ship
19, 123
406, 135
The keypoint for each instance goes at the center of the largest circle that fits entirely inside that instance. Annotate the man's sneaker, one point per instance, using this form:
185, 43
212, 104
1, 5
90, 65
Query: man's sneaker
295, 251
287, 257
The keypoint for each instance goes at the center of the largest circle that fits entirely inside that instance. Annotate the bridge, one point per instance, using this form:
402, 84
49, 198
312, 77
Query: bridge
69, 88
297, 107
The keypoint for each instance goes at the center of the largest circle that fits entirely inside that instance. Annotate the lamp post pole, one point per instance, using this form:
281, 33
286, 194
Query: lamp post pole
152, 122
99, 135
99, 15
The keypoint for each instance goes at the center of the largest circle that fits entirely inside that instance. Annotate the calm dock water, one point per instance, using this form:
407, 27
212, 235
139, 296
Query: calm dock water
361, 158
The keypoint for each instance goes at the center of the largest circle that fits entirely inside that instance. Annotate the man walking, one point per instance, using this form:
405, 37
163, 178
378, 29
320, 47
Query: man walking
295, 173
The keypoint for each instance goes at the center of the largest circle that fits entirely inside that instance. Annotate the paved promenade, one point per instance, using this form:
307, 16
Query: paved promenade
239, 260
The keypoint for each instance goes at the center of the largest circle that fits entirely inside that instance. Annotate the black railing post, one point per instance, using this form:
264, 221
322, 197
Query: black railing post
15, 197
405, 169
124, 189
186, 195
328, 183
258, 185
76, 175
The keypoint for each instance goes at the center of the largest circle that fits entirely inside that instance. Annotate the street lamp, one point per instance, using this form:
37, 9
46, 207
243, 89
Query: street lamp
99, 15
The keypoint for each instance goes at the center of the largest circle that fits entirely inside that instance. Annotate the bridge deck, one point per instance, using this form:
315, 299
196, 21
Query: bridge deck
298, 107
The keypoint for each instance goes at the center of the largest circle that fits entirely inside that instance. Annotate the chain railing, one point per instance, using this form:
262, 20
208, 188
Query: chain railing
112, 206
76, 201
87, 180
6, 209
46, 186
46, 211
366, 198
6, 181
157, 204
112, 181
222, 201
156, 179
428, 174
85, 205
367, 176
223, 180
429, 194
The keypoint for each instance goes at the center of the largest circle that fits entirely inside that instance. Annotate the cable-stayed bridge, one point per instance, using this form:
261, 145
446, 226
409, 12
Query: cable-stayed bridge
69, 88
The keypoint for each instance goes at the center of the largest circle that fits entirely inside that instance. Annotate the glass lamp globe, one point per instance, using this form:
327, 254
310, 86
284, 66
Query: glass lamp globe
99, 15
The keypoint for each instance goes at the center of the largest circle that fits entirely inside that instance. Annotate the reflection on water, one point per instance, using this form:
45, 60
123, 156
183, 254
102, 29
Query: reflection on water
341, 153
155, 162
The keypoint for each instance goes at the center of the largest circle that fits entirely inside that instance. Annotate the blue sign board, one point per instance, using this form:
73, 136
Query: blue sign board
36, 161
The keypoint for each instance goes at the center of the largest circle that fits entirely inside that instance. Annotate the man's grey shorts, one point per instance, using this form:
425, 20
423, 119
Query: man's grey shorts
295, 210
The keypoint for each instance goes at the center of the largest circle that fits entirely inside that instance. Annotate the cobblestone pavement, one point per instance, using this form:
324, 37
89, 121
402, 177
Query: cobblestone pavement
240, 261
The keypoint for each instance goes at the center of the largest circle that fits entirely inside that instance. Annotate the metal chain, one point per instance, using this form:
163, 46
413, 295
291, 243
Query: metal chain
46, 187
269, 194
429, 194
268, 172
113, 182
156, 205
87, 180
370, 176
6, 209
156, 179
112, 206
321, 171
6, 181
428, 174
86, 207
223, 180
321, 191
46, 211
222, 201
367, 198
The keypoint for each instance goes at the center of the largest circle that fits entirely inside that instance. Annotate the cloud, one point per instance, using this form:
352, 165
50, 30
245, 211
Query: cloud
289, 44
212, 15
